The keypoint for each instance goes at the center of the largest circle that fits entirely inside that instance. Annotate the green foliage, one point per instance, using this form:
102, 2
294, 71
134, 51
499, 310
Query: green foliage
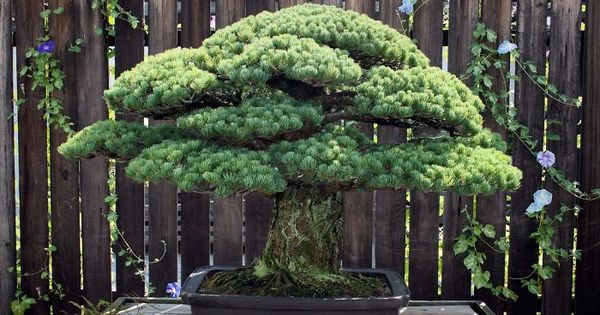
336, 158
196, 165
47, 77
21, 304
485, 60
295, 58
246, 135
256, 118
170, 79
431, 97
117, 139
364, 38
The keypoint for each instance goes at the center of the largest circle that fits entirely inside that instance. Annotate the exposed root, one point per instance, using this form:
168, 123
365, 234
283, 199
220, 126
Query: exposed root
298, 284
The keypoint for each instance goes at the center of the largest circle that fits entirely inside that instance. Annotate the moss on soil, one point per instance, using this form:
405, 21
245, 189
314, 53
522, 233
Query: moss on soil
307, 284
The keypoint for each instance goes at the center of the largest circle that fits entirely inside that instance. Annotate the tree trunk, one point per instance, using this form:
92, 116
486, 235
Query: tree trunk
305, 231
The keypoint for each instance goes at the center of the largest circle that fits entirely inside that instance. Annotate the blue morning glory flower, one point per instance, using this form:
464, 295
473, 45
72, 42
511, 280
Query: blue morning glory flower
542, 197
533, 208
506, 47
173, 289
46, 47
406, 7
546, 158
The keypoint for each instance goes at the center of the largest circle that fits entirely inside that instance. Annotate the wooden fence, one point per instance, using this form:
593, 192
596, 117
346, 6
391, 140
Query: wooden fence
230, 231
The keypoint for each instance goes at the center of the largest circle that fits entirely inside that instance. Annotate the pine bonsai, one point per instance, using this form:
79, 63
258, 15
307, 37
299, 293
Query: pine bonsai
270, 105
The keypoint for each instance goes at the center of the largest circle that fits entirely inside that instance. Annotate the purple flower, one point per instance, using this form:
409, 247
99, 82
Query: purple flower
506, 47
546, 158
173, 289
533, 208
406, 7
542, 197
46, 47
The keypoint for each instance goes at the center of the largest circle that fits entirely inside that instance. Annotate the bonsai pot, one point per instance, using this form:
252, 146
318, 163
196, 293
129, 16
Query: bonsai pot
208, 304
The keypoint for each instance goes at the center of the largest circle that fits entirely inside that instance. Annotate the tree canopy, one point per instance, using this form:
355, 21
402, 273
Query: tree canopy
273, 101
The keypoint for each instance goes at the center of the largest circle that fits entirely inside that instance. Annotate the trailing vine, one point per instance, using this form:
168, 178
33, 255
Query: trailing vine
117, 238
487, 57
47, 76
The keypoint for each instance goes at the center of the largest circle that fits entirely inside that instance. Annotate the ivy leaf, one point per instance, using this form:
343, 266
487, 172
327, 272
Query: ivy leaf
489, 231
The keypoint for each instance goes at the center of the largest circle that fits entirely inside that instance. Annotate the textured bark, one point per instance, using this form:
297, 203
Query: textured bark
305, 231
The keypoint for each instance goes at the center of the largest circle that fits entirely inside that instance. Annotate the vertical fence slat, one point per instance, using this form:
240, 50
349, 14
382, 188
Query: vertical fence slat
227, 212
496, 14
227, 241
565, 73
388, 13
162, 211
424, 206
129, 50
256, 6
588, 237
195, 207
7, 159
288, 3
64, 174
257, 208
390, 214
390, 205
33, 177
94, 172
195, 24
529, 100
456, 279
358, 206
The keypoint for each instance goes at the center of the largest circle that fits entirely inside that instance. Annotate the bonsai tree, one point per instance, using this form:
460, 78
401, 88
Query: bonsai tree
271, 105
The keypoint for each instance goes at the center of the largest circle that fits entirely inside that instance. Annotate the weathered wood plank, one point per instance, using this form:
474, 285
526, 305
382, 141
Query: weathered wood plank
456, 279
7, 161
227, 241
588, 237
390, 214
257, 6
565, 73
230, 11
496, 14
162, 211
257, 208
227, 212
358, 206
195, 24
64, 174
424, 309
363, 6
337, 3
195, 207
33, 176
195, 232
529, 99
288, 3
424, 206
390, 205
129, 50
257, 211
388, 13
93, 172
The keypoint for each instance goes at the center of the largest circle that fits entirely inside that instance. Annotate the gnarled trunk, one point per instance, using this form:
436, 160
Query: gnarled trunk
306, 231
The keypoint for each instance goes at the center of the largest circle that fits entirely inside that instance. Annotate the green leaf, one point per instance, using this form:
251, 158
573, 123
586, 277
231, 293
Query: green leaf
460, 246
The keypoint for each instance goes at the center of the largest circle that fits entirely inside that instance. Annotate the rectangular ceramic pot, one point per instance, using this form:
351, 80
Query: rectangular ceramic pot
215, 304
